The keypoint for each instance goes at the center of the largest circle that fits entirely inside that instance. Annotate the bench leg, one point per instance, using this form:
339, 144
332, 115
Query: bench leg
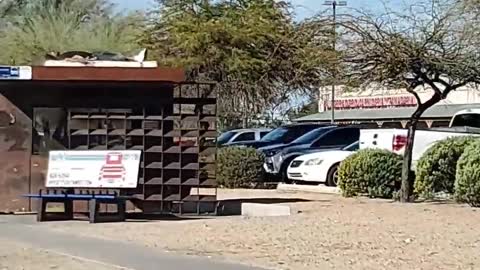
44, 215
122, 210
95, 216
180, 207
68, 206
93, 209
41, 210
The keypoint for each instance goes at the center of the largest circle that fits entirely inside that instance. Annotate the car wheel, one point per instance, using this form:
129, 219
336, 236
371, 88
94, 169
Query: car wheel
332, 176
283, 171
284, 177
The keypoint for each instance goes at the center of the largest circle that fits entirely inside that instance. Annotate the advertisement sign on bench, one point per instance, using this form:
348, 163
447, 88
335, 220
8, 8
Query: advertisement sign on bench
93, 169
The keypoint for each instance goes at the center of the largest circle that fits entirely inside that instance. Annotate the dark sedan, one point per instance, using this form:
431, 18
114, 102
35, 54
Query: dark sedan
282, 135
305, 139
335, 138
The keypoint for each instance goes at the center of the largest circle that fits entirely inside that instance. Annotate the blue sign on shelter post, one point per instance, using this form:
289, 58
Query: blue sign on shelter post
15, 73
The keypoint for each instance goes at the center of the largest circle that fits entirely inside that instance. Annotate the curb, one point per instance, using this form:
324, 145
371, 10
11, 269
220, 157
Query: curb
308, 188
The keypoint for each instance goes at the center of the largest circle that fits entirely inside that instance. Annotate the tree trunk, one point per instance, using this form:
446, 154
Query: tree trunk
406, 190
407, 177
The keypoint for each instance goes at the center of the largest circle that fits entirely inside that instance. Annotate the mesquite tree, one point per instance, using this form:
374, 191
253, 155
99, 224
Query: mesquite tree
432, 45
254, 49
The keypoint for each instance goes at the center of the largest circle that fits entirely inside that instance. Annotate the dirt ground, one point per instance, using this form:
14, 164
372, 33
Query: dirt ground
15, 256
326, 232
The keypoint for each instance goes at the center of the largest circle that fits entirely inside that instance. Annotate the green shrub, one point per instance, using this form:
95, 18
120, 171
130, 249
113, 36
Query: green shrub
376, 173
436, 169
239, 167
467, 182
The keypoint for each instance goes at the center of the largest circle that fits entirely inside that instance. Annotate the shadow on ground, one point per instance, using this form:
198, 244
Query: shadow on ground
227, 207
133, 217
141, 217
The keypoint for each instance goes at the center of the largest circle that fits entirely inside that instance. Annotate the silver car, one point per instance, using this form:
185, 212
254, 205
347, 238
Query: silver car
241, 135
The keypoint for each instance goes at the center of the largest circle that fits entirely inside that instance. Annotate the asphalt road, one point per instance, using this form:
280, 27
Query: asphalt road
23, 229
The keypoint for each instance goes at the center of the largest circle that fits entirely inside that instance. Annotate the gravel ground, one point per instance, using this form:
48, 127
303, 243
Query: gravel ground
328, 232
15, 256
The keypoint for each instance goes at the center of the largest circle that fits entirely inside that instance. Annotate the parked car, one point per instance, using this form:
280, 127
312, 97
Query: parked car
281, 135
335, 138
241, 135
463, 123
320, 166
307, 138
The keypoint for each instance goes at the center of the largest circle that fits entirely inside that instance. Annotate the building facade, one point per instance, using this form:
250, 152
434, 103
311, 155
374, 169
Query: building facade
380, 97
390, 108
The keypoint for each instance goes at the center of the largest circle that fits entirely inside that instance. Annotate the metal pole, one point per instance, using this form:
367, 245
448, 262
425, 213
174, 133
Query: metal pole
334, 5
334, 71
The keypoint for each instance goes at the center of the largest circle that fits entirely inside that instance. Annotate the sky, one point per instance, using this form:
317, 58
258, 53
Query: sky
133, 4
304, 8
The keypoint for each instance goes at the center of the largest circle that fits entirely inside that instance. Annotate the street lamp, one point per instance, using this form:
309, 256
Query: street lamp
334, 5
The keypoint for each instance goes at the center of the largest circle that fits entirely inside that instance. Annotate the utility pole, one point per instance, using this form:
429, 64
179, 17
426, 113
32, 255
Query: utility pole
334, 5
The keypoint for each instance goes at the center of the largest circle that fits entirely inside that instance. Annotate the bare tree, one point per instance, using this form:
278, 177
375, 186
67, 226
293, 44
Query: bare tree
432, 45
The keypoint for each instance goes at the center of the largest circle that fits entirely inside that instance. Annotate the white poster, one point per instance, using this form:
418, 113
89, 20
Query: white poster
93, 169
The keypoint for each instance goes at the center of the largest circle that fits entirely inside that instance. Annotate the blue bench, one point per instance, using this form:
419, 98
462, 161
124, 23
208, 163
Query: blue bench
67, 197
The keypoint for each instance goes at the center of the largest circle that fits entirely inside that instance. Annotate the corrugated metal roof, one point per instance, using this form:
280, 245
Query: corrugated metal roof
437, 111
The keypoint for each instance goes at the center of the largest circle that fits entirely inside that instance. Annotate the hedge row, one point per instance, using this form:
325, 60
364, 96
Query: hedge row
467, 182
239, 167
450, 166
436, 169
376, 173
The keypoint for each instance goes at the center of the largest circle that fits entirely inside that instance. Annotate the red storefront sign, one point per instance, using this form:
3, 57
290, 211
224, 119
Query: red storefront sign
372, 102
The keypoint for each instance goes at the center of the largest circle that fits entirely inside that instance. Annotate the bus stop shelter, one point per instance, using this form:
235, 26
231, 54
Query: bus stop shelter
173, 123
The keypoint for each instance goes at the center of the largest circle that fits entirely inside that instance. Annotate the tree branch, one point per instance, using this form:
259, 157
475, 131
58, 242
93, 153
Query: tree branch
411, 90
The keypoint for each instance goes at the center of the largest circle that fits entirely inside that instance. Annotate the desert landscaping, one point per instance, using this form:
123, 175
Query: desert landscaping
324, 232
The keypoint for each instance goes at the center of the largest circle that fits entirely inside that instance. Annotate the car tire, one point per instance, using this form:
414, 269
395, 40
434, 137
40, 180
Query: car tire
284, 177
283, 171
332, 176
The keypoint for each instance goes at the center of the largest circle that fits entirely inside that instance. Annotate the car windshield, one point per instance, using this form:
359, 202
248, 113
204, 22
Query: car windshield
310, 136
352, 147
225, 137
276, 135
468, 120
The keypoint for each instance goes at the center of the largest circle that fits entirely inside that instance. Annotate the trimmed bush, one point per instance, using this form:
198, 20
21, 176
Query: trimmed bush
436, 169
372, 172
467, 182
239, 167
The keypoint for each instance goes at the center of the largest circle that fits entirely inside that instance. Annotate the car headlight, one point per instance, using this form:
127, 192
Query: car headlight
315, 161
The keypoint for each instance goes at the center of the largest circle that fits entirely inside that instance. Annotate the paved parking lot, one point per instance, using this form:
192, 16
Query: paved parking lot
28, 245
